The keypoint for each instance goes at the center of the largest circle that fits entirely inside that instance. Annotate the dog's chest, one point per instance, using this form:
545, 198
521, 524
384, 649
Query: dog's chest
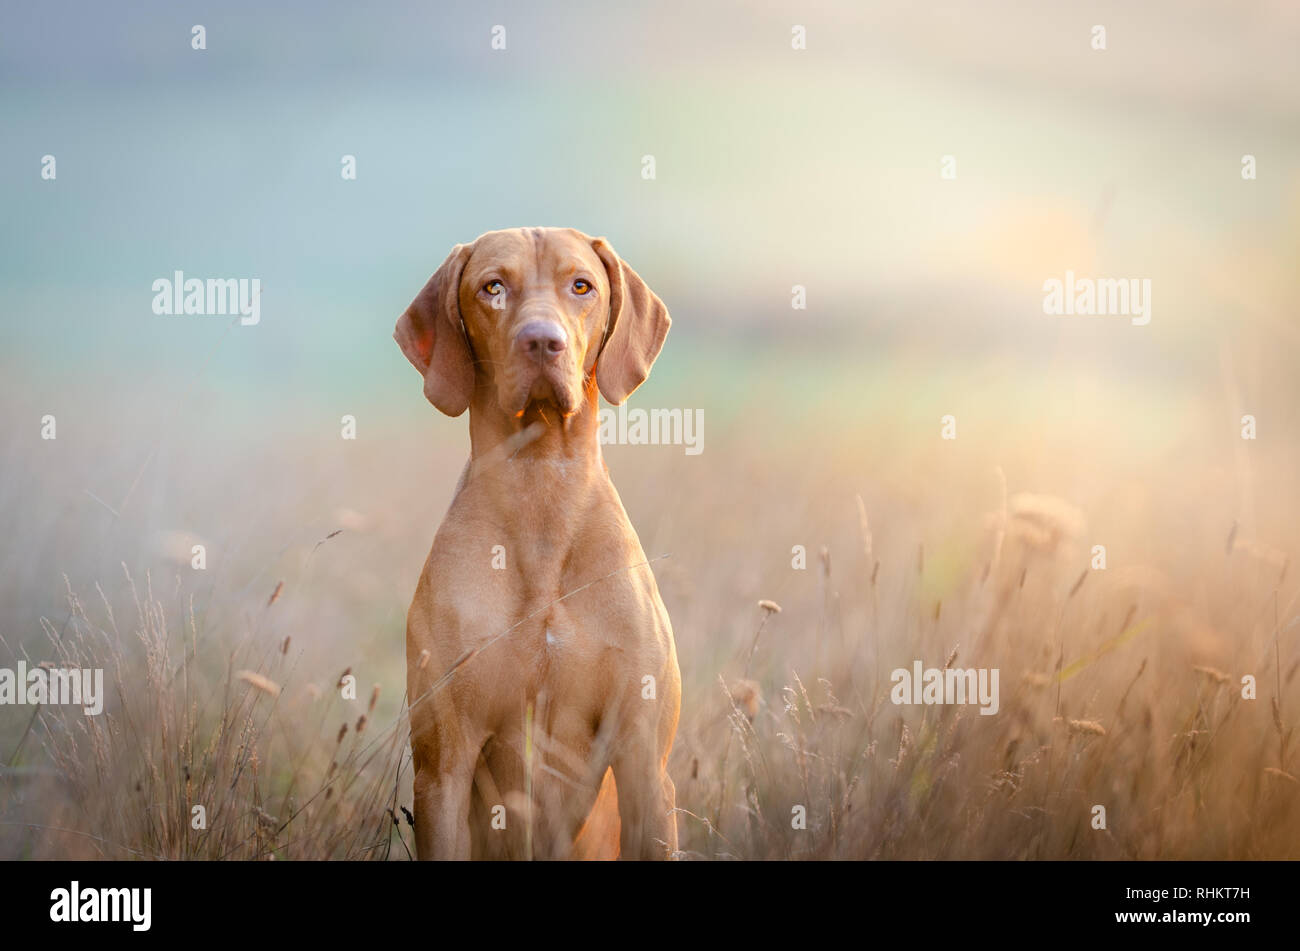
566, 637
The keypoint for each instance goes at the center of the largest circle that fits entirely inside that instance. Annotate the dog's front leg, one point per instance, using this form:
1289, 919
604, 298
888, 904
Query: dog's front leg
443, 783
647, 802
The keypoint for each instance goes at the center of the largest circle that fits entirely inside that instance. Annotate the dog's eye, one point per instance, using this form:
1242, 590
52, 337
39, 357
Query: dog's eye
581, 287
493, 288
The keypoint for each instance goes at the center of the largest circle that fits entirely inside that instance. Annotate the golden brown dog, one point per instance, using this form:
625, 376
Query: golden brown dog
539, 655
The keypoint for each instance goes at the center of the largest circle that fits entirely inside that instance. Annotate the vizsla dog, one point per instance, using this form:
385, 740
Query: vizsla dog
541, 669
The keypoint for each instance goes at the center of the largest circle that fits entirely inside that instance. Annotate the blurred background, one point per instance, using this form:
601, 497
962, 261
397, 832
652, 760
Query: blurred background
774, 168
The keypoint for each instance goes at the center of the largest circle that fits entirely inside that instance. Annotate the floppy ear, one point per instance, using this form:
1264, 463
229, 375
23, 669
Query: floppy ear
638, 324
431, 335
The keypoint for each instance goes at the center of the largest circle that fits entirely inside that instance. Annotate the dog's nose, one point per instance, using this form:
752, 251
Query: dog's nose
542, 339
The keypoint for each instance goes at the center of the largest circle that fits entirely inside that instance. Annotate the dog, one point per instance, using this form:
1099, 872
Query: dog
542, 672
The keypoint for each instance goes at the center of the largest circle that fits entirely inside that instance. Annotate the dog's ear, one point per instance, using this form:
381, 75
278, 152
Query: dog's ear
432, 336
638, 324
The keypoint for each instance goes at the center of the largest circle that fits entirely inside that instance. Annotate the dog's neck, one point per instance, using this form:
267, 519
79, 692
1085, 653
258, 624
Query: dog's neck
568, 448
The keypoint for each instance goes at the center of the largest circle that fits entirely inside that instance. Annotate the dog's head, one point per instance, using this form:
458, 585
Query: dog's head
534, 313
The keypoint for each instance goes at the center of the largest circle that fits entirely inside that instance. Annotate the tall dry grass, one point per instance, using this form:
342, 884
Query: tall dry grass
1119, 687
282, 767
1102, 703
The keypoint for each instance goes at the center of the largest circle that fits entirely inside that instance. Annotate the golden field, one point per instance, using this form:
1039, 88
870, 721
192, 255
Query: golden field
1119, 687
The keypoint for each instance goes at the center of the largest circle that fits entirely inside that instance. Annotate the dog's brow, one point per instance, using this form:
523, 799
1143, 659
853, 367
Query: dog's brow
502, 266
